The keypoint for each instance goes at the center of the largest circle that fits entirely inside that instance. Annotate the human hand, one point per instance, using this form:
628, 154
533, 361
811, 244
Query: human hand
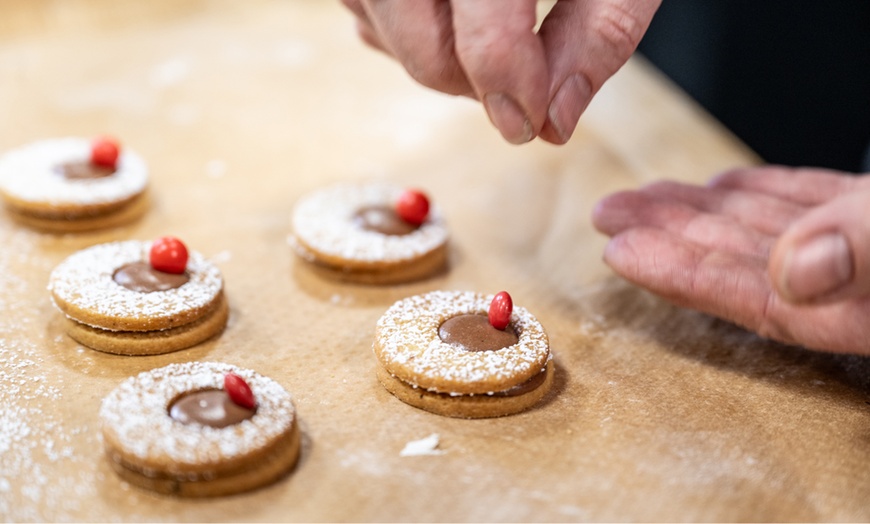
782, 252
530, 84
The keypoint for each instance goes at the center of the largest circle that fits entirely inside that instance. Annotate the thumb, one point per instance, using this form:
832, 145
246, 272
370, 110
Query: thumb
825, 255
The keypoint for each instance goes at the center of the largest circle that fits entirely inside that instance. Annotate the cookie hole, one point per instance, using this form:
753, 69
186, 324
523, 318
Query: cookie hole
475, 333
82, 170
382, 219
210, 407
142, 278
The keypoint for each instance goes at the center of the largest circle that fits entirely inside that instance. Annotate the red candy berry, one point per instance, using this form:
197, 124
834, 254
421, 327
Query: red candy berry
168, 254
413, 207
239, 391
500, 310
104, 152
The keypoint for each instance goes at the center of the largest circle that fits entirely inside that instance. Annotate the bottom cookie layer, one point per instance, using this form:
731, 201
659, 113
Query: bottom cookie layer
465, 406
374, 273
132, 211
151, 342
271, 467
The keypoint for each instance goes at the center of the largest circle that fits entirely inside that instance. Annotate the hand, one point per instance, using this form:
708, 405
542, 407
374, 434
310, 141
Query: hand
530, 84
782, 252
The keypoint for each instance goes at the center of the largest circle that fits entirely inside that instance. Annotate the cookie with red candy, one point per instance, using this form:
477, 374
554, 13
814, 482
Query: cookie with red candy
139, 298
73, 184
370, 233
463, 354
200, 429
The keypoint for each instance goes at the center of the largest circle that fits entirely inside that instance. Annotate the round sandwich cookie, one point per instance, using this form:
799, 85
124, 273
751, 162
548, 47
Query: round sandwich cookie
200, 429
372, 233
139, 298
463, 354
70, 185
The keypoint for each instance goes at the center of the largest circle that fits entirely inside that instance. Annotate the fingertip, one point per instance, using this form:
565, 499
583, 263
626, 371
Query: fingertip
598, 221
613, 213
548, 134
509, 118
503, 59
568, 103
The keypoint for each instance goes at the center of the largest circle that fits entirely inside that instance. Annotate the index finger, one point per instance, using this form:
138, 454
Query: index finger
419, 34
503, 59
586, 43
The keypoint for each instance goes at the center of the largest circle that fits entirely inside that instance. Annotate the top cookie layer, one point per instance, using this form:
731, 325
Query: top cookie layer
408, 346
29, 180
137, 426
83, 288
323, 223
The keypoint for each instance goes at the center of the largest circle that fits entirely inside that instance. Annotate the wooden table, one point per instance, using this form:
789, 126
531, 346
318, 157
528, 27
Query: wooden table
240, 108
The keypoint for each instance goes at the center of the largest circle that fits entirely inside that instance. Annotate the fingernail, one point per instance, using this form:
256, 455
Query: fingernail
818, 267
507, 116
569, 103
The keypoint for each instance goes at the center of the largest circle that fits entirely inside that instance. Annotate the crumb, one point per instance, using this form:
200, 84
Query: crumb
424, 446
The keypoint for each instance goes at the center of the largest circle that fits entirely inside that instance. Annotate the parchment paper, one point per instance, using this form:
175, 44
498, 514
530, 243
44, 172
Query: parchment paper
658, 414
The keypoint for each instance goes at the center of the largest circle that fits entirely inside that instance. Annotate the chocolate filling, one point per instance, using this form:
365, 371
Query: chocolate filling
209, 407
475, 333
83, 170
141, 277
382, 219
521, 389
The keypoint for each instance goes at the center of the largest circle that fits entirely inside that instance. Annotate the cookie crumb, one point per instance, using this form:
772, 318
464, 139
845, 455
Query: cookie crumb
424, 446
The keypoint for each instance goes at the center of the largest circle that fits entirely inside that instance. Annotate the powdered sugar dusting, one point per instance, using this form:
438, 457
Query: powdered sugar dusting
28, 174
136, 416
408, 344
85, 280
34, 441
323, 220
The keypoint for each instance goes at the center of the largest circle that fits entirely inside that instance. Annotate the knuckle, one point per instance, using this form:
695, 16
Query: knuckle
433, 64
729, 178
485, 47
433, 71
620, 29
660, 187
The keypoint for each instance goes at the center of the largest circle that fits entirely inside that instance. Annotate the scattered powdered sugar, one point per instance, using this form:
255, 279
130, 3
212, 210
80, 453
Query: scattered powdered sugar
34, 443
85, 280
323, 220
135, 415
28, 174
424, 446
408, 345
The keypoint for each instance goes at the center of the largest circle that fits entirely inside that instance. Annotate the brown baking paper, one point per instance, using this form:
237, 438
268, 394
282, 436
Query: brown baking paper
240, 108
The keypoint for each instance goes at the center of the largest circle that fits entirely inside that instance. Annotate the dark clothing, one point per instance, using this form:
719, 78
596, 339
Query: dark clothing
791, 79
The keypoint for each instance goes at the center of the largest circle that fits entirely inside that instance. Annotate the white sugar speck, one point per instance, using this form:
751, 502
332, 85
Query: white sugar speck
424, 446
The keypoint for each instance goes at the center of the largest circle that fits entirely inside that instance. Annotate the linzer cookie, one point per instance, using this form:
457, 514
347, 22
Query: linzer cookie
463, 354
200, 429
73, 184
370, 233
139, 298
